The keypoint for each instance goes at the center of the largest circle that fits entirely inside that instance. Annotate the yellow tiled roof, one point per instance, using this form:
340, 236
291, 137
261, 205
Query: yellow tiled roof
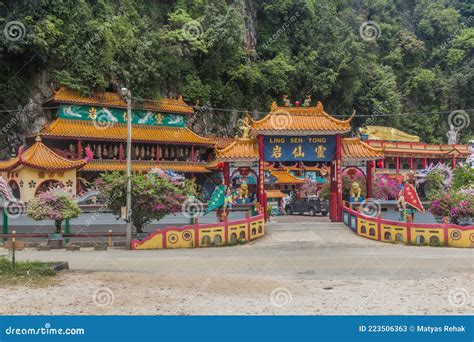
65, 95
239, 149
103, 165
145, 133
300, 120
356, 149
416, 149
285, 177
39, 156
274, 194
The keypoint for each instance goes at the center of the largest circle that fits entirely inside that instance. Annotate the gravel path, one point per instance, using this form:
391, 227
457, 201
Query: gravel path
306, 267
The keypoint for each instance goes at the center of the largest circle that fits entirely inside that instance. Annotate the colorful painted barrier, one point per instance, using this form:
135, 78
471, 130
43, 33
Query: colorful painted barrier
205, 235
423, 234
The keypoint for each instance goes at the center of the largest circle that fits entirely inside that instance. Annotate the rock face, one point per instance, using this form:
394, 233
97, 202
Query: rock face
29, 118
250, 16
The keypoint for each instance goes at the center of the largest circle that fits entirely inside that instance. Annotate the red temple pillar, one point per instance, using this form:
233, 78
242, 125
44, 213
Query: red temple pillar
411, 163
261, 174
370, 168
336, 183
121, 152
425, 163
158, 153
192, 153
79, 149
226, 174
454, 161
397, 165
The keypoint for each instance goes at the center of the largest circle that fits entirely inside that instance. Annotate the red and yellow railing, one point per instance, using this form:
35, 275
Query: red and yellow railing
377, 228
205, 235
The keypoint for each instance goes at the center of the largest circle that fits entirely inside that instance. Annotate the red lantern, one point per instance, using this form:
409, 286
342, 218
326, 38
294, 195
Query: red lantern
220, 165
380, 164
297, 103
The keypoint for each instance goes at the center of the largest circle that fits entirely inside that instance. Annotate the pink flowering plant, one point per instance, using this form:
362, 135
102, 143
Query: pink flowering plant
455, 206
385, 188
56, 205
153, 197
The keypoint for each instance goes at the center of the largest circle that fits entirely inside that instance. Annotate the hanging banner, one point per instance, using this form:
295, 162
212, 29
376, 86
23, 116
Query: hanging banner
281, 148
119, 115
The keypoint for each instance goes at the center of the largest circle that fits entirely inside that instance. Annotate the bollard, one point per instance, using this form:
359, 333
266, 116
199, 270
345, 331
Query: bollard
13, 249
110, 237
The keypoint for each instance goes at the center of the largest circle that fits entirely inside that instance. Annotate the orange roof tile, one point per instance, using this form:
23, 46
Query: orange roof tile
415, 149
239, 149
39, 156
104, 165
285, 177
354, 149
65, 95
220, 142
118, 132
299, 120
275, 194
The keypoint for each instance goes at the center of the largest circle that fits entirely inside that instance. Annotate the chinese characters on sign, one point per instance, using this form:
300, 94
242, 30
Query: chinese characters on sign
294, 148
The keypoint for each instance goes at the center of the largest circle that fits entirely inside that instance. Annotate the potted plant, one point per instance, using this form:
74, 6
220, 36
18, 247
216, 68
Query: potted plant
56, 205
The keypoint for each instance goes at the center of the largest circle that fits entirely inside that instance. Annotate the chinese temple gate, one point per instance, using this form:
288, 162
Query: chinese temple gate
307, 138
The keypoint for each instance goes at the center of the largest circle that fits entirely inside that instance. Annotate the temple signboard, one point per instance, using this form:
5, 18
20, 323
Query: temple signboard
118, 115
284, 148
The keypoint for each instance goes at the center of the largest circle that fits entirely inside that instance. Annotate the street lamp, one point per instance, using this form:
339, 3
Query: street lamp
127, 95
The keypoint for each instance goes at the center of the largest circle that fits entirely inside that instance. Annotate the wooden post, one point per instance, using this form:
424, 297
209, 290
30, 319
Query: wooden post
13, 249
110, 237
5, 224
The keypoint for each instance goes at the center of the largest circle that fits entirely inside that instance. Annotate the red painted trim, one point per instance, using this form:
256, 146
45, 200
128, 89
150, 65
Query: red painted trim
165, 243
196, 236
248, 228
409, 227
446, 235
379, 229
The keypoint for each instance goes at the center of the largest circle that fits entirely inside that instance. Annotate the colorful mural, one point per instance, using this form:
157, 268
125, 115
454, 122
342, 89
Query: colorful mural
118, 115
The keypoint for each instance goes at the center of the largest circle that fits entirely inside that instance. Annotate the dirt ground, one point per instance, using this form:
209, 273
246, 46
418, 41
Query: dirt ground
306, 267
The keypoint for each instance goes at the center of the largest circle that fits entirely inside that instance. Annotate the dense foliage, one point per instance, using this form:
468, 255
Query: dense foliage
153, 197
56, 205
244, 54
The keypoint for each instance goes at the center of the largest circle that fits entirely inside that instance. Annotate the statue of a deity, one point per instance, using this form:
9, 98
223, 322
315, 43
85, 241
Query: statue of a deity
470, 159
286, 101
307, 101
355, 190
244, 126
452, 135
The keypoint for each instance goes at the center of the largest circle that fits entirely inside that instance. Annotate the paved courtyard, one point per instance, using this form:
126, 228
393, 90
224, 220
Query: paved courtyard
304, 265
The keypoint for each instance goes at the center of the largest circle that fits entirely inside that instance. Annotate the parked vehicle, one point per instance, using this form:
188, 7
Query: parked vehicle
310, 205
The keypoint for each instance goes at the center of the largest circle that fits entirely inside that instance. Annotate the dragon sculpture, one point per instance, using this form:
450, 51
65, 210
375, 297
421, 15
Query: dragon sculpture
421, 175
